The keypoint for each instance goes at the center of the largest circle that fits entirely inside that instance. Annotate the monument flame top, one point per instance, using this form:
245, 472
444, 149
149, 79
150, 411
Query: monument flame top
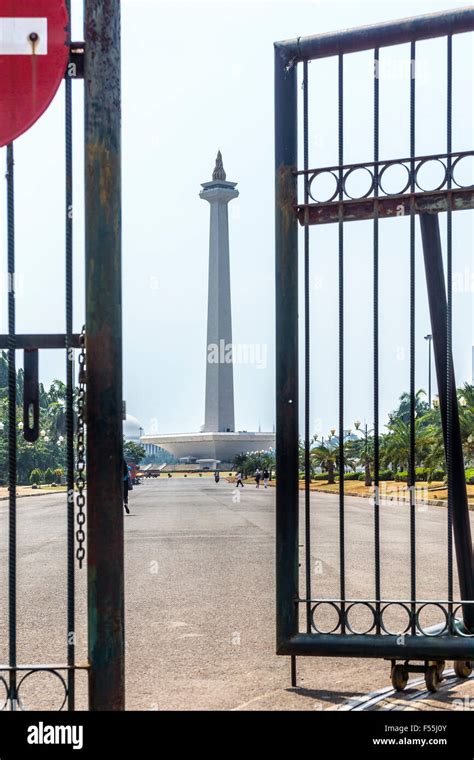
219, 172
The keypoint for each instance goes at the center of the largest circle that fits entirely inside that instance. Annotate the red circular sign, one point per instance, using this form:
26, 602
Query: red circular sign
34, 54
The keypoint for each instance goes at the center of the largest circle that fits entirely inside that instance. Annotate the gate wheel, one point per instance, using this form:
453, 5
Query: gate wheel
441, 666
399, 676
432, 678
463, 668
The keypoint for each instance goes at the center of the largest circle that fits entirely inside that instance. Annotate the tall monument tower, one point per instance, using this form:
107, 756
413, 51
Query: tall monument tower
220, 371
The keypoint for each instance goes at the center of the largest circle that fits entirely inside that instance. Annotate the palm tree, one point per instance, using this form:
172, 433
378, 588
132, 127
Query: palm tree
397, 445
325, 454
362, 451
404, 406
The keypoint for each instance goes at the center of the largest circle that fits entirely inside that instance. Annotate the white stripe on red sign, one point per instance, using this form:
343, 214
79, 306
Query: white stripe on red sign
15, 36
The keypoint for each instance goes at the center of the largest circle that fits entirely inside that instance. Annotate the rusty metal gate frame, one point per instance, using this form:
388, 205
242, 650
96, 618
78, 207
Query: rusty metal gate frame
97, 61
452, 640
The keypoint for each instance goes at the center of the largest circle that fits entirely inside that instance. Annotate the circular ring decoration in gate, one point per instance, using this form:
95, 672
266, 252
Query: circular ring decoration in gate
391, 605
7, 691
423, 167
329, 604
424, 631
385, 169
323, 178
34, 53
49, 671
465, 163
363, 170
364, 605
457, 610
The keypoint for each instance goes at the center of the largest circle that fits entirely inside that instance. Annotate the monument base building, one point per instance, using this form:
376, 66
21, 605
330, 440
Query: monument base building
223, 447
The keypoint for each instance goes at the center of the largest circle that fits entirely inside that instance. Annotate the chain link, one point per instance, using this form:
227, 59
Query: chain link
81, 453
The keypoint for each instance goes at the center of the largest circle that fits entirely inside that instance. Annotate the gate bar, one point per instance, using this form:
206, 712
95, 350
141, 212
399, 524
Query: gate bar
12, 435
286, 273
104, 355
388, 646
424, 27
438, 313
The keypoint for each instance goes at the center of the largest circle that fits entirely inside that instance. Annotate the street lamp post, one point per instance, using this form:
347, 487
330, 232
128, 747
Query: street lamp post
429, 338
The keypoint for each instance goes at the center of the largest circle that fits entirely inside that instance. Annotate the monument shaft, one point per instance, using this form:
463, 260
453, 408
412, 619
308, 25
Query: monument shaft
219, 416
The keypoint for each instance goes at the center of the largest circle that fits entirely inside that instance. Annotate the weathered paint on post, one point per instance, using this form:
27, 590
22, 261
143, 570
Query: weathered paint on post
286, 272
424, 27
104, 354
436, 287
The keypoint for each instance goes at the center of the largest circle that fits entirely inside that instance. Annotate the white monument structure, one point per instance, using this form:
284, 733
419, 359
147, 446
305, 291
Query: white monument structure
219, 374
218, 441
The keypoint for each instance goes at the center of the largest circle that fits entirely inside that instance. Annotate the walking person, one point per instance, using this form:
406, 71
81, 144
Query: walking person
239, 480
127, 486
216, 476
266, 477
258, 477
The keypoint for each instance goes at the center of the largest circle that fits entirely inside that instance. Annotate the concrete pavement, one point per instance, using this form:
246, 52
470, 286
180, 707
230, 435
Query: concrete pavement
200, 594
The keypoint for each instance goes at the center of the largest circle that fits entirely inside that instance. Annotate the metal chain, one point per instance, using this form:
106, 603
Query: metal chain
81, 453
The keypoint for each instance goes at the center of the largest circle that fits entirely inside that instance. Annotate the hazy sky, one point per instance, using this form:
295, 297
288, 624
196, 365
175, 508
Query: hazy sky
198, 77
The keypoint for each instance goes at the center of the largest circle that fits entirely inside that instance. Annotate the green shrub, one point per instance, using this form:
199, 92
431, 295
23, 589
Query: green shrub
469, 473
401, 477
354, 476
421, 473
35, 477
385, 475
321, 476
48, 476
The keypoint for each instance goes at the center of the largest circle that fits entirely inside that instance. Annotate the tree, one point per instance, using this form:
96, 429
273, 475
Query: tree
398, 443
133, 452
403, 411
249, 462
325, 454
362, 452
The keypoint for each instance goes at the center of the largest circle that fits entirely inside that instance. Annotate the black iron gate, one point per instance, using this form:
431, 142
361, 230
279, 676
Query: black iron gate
299, 631
99, 540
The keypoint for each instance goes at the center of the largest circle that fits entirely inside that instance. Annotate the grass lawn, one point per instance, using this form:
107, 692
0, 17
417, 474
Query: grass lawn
29, 491
389, 489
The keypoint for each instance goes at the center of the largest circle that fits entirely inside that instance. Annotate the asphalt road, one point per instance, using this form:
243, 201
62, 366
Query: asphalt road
200, 594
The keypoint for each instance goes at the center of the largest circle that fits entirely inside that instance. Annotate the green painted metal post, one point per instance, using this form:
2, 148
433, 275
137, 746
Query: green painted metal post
286, 273
104, 355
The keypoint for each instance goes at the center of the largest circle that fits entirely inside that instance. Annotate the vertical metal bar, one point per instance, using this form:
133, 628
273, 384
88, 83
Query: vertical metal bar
376, 345
307, 364
12, 463
30, 395
449, 332
70, 581
429, 370
411, 466
438, 312
104, 355
286, 280
293, 675
342, 551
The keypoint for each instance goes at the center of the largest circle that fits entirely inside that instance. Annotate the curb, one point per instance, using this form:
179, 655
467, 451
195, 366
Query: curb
27, 495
